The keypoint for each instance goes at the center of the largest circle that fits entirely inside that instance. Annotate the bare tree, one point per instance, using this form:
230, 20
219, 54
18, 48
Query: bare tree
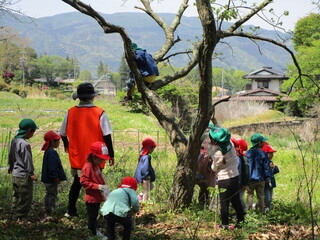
211, 17
6, 9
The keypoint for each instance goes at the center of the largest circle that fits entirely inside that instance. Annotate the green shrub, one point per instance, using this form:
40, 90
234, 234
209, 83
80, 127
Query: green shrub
288, 213
23, 94
293, 109
3, 84
15, 91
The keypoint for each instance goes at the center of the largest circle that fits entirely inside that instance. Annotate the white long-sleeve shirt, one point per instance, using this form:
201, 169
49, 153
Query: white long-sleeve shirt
226, 165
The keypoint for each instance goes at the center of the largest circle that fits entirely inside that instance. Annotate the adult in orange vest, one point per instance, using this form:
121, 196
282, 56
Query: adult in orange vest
83, 125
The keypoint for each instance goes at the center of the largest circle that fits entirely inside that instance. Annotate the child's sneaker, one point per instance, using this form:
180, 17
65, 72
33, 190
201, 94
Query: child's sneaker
221, 226
71, 214
101, 236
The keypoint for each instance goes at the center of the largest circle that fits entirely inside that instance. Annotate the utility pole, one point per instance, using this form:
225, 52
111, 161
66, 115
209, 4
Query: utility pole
23, 61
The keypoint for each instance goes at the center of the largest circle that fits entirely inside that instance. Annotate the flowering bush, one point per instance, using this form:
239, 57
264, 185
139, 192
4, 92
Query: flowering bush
7, 76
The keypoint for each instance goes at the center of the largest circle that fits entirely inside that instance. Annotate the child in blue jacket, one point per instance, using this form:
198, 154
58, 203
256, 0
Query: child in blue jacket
52, 170
259, 170
268, 189
144, 172
148, 69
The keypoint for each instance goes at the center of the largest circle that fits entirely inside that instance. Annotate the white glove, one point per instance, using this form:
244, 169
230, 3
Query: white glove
103, 188
105, 191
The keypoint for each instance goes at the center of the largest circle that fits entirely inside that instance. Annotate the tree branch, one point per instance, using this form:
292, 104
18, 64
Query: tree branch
179, 74
88, 10
246, 18
168, 31
250, 36
174, 54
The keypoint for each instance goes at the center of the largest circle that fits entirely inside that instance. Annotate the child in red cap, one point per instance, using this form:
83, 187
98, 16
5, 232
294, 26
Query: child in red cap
144, 172
241, 146
269, 186
119, 207
52, 171
92, 181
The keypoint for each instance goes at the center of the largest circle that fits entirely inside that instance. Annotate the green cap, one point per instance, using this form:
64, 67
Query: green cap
210, 125
24, 126
135, 47
256, 138
222, 137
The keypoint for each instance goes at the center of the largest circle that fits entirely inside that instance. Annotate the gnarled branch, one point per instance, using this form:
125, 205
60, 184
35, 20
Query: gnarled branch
250, 36
246, 18
168, 30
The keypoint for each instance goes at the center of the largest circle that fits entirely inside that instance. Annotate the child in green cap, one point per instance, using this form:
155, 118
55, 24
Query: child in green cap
225, 165
21, 167
259, 170
148, 69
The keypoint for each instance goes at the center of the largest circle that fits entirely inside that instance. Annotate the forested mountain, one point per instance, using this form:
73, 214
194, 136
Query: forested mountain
77, 35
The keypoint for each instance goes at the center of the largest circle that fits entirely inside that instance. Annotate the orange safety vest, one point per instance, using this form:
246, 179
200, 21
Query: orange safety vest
83, 129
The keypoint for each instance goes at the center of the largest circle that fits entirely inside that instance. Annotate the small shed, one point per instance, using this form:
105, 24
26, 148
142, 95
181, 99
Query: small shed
105, 86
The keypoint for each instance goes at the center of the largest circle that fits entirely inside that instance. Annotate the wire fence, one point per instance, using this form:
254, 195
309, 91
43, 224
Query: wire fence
132, 138
123, 141
126, 143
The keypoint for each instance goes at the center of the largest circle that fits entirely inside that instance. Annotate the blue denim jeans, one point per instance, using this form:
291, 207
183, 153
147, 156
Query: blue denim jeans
268, 193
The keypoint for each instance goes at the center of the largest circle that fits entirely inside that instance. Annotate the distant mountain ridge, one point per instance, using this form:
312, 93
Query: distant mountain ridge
77, 35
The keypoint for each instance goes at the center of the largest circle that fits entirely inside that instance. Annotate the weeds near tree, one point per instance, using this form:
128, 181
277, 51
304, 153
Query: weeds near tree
310, 165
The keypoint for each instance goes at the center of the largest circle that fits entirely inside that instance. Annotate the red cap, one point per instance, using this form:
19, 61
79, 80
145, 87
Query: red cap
48, 137
100, 150
267, 148
243, 146
129, 182
146, 143
235, 142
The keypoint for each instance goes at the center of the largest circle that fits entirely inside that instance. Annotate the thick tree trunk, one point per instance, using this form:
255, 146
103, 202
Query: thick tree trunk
183, 180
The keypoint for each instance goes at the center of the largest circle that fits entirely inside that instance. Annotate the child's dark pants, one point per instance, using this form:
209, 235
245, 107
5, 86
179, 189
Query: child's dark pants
112, 220
93, 211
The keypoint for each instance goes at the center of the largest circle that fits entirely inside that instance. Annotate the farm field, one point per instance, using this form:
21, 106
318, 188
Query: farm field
297, 159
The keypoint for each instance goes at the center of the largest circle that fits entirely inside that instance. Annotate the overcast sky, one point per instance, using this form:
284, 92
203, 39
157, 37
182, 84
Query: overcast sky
40, 8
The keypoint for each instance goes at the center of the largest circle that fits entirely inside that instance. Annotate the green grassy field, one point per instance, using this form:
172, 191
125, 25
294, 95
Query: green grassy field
154, 221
